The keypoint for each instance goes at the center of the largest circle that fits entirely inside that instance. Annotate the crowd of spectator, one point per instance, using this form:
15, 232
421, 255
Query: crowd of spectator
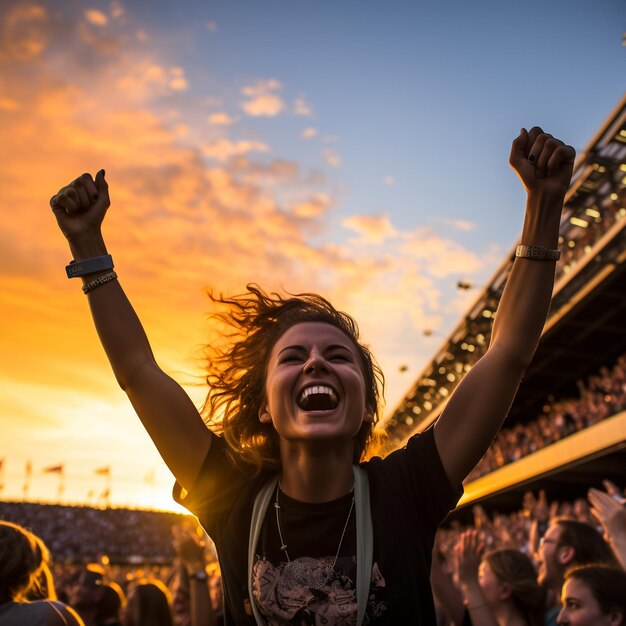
468, 560
603, 395
128, 567
79, 533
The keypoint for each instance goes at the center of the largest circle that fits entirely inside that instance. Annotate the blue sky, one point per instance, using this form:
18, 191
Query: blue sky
429, 93
358, 149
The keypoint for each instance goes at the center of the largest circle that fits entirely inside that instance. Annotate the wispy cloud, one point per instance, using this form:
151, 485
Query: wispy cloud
263, 99
308, 133
98, 18
372, 229
456, 223
224, 149
220, 119
332, 157
302, 107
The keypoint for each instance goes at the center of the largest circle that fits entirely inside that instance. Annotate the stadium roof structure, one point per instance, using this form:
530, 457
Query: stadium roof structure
585, 331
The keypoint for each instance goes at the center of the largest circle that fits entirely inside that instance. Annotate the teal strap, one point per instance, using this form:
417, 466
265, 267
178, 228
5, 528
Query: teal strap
261, 502
364, 541
364, 538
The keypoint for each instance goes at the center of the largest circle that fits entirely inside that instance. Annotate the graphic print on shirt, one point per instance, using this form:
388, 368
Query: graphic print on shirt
309, 591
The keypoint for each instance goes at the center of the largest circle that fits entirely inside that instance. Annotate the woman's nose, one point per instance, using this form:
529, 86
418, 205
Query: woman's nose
315, 363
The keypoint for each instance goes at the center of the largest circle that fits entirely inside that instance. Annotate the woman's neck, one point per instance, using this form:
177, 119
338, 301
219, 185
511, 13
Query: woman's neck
315, 473
507, 615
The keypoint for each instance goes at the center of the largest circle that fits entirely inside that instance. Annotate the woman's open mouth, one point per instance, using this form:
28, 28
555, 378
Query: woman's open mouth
318, 398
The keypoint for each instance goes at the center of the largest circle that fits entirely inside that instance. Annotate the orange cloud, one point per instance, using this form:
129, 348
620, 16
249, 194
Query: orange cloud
93, 16
224, 149
308, 133
220, 119
25, 32
262, 101
373, 229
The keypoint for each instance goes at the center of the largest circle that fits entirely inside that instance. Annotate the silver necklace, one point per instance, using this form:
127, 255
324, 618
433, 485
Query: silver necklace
283, 546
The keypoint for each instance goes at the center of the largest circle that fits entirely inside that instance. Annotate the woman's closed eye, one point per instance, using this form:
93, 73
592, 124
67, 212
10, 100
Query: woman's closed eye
341, 357
291, 358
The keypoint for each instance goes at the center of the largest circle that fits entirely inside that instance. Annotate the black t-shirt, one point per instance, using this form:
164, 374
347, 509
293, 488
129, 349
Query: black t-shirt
410, 495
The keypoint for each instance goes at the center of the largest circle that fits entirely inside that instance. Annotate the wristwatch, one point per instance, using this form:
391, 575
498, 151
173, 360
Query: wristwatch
200, 575
537, 253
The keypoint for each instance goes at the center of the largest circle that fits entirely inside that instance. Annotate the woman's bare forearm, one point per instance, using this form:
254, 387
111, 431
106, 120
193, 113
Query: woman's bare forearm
119, 329
526, 299
170, 417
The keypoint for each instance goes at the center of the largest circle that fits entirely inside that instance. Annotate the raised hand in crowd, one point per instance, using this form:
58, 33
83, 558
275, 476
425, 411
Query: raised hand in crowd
610, 511
190, 551
468, 553
448, 598
540, 513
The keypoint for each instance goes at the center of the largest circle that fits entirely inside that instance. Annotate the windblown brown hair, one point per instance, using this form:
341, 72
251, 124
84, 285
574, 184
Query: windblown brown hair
254, 321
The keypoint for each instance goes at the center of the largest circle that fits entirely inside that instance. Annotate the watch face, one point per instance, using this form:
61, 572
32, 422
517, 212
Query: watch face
201, 575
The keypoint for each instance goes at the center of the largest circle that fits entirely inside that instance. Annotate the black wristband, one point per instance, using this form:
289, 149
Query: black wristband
89, 266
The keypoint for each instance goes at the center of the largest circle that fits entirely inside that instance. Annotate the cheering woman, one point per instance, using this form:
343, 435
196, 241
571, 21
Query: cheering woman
307, 531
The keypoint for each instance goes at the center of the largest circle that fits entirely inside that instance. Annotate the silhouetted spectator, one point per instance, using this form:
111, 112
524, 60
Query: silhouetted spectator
23, 556
149, 602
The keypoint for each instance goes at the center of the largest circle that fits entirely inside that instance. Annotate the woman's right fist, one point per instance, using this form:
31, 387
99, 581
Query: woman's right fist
81, 205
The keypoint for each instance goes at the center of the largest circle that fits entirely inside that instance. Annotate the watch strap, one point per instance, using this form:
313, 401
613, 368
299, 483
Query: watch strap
537, 253
89, 266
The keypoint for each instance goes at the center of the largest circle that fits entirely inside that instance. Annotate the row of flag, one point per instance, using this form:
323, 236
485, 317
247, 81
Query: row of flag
59, 470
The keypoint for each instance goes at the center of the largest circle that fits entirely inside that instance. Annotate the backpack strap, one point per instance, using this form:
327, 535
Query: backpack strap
364, 538
261, 502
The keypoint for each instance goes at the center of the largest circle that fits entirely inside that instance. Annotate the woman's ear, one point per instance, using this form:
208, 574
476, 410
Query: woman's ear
505, 591
264, 415
368, 415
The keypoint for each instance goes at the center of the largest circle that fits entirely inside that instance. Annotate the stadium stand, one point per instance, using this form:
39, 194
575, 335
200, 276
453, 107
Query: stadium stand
83, 534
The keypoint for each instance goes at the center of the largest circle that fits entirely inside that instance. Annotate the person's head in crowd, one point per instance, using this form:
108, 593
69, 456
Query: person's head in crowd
593, 595
23, 565
565, 544
87, 593
508, 578
149, 602
110, 607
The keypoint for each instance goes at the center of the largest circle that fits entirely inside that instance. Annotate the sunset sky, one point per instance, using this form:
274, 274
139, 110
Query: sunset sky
354, 148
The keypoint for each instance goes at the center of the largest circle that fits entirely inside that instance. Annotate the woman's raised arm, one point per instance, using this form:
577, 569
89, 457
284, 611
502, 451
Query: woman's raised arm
166, 411
482, 400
